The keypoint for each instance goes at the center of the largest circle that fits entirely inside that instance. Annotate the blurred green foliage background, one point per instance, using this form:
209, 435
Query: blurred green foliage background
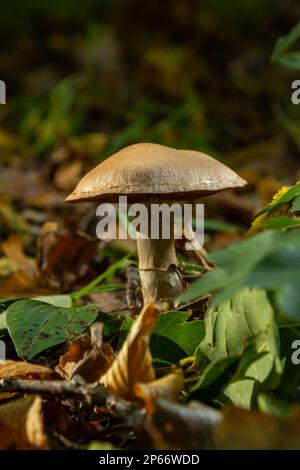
187, 73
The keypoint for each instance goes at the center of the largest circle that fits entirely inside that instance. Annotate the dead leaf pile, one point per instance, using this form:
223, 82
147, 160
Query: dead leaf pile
63, 256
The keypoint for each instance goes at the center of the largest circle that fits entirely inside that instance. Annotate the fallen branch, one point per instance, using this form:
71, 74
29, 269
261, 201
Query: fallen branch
95, 395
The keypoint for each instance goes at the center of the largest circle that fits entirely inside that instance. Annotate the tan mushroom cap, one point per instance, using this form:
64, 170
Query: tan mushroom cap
146, 169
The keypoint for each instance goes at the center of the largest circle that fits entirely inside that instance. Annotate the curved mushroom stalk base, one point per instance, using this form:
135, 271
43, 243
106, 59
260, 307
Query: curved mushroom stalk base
161, 286
160, 279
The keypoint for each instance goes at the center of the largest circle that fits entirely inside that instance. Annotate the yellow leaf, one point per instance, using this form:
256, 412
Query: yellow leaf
168, 387
13, 249
24, 370
22, 424
257, 224
134, 361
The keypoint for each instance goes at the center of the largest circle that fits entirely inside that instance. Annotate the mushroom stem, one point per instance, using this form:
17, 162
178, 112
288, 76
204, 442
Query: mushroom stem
161, 280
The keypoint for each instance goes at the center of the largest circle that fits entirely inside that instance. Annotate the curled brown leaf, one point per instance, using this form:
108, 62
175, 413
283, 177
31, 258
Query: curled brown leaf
134, 362
88, 356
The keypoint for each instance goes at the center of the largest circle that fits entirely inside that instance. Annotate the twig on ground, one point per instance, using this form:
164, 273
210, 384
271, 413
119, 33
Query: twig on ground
95, 394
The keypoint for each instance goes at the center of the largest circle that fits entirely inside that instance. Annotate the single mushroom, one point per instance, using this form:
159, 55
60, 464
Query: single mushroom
152, 173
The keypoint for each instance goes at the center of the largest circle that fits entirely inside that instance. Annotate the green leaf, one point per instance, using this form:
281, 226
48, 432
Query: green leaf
56, 300
3, 324
282, 222
289, 385
270, 260
111, 323
242, 327
296, 204
63, 301
35, 326
5, 303
214, 377
287, 197
291, 59
173, 337
272, 406
288, 299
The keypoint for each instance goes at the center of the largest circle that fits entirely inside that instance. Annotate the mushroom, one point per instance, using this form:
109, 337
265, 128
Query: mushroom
152, 173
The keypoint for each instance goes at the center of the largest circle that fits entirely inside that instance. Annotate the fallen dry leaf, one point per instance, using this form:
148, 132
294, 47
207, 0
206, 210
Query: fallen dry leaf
20, 284
22, 424
110, 302
168, 387
64, 256
7, 267
10, 219
21, 271
76, 351
13, 250
67, 176
88, 144
30, 187
24, 370
87, 356
134, 361
96, 361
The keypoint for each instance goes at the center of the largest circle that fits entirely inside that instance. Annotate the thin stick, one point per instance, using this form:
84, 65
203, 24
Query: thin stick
95, 394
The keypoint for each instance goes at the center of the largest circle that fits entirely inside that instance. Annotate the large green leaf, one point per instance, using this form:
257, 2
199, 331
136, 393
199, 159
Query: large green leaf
296, 204
64, 301
242, 327
111, 323
35, 326
281, 222
268, 260
56, 300
289, 385
173, 337
273, 406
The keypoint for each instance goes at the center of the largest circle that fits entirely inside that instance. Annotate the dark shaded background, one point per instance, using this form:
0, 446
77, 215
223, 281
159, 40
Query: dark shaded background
87, 78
